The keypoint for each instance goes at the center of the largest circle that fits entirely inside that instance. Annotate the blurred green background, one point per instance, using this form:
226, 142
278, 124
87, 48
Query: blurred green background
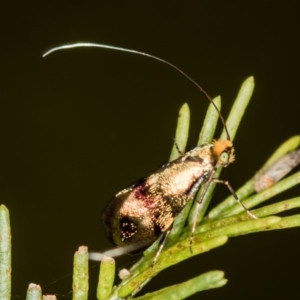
79, 125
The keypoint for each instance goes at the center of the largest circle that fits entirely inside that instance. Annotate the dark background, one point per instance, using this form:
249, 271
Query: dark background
79, 125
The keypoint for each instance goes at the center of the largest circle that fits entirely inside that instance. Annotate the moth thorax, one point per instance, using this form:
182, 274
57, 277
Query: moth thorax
224, 152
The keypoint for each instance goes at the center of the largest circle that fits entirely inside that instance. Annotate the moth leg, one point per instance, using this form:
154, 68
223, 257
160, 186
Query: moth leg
162, 244
199, 201
191, 195
235, 196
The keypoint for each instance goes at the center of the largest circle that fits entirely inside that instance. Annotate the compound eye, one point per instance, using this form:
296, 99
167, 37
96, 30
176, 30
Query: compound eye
224, 157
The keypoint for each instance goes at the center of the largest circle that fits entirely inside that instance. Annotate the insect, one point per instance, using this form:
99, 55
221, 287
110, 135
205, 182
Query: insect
139, 214
147, 209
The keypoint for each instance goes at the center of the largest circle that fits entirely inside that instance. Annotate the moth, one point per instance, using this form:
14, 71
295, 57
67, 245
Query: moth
145, 210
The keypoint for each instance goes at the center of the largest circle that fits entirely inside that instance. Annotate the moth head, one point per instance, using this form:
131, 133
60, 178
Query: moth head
224, 152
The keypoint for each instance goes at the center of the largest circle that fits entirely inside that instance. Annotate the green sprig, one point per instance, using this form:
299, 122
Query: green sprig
80, 274
106, 278
34, 292
206, 281
5, 254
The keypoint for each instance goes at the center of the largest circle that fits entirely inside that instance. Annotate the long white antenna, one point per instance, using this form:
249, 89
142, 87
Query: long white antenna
103, 46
